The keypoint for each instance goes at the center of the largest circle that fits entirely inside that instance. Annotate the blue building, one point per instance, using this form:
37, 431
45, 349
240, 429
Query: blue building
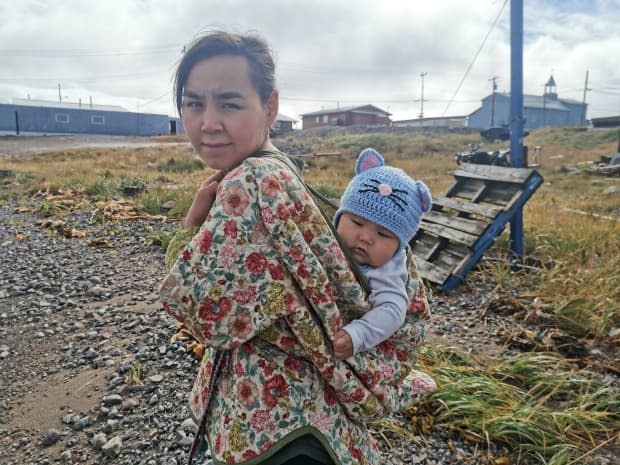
538, 110
44, 117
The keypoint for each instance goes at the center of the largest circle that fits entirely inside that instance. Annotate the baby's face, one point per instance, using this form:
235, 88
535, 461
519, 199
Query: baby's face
370, 243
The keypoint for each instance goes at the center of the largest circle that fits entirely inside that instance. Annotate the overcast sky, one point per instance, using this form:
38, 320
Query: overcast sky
329, 53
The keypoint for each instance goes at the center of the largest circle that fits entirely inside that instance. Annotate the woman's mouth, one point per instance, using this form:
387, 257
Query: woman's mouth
215, 145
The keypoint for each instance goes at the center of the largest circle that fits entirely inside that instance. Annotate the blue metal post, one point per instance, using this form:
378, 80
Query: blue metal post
516, 114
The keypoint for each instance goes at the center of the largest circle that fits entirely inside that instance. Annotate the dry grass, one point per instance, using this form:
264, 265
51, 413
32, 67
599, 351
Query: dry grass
536, 403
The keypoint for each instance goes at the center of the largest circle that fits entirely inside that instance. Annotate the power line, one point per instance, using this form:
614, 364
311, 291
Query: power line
71, 53
365, 99
84, 78
475, 56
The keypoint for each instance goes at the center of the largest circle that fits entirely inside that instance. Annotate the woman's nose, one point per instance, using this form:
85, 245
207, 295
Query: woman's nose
210, 120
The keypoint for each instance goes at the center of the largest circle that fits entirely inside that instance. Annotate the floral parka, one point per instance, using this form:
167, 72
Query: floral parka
265, 281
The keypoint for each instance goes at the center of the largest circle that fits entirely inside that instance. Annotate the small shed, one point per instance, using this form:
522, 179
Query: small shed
283, 124
606, 122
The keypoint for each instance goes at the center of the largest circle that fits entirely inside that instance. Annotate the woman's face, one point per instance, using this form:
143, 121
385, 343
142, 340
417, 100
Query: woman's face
222, 112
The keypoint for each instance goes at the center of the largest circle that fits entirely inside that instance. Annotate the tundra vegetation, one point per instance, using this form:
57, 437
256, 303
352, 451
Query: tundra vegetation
546, 406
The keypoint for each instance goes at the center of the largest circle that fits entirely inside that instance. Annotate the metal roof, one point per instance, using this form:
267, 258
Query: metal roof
357, 109
536, 101
66, 105
282, 117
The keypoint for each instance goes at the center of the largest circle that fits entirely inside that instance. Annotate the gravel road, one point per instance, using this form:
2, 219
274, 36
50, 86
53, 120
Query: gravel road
20, 145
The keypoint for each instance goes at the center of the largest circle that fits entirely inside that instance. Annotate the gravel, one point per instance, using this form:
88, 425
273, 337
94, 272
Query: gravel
79, 323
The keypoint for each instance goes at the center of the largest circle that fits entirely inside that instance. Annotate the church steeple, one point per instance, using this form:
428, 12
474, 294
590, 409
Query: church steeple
550, 91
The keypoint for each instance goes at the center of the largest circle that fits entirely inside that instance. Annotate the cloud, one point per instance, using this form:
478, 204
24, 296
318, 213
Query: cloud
328, 52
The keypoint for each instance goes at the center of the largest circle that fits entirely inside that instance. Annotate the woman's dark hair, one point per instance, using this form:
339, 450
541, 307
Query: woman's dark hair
216, 43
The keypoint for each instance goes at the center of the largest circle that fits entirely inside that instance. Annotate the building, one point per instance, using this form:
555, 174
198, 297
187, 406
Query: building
436, 122
364, 115
606, 122
25, 116
283, 125
538, 110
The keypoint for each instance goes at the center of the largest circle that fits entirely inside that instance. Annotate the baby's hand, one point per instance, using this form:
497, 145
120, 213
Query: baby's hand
343, 345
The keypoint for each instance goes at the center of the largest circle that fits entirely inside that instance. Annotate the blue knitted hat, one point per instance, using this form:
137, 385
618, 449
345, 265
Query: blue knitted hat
386, 196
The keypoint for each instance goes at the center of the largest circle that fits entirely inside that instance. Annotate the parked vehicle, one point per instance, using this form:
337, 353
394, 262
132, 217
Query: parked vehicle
481, 157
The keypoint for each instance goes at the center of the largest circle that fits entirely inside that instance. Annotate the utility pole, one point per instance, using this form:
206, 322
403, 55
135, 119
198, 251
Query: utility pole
422, 99
59, 94
493, 101
583, 108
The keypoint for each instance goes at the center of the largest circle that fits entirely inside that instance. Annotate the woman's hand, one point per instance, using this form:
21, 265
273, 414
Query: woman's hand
343, 345
203, 200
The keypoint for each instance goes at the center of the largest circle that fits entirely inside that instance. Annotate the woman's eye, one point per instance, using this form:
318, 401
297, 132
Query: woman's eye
192, 104
230, 106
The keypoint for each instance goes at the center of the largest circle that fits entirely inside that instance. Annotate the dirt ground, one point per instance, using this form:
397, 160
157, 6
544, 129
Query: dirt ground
20, 145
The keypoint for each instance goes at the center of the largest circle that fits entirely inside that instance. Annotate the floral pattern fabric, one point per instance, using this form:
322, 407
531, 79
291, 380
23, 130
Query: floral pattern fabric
265, 280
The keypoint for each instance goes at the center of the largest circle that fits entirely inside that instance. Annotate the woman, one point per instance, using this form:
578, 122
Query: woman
265, 285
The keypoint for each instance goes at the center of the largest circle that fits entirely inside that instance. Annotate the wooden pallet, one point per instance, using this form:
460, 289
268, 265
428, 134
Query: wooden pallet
464, 223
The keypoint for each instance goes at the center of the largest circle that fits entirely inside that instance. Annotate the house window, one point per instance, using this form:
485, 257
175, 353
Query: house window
62, 118
325, 118
317, 119
97, 119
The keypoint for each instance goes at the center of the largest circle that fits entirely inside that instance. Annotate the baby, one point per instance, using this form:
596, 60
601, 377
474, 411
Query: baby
379, 214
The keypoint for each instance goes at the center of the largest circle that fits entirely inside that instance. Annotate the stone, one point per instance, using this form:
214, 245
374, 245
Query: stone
113, 399
51, 437
113, 447
99, 440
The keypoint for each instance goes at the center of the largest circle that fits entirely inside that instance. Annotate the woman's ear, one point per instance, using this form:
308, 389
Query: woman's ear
272, 106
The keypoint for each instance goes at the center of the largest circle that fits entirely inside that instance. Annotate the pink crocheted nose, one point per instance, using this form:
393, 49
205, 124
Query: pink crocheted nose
385, 190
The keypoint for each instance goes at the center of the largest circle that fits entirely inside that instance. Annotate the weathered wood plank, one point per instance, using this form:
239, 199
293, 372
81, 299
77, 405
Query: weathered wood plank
424, 249
431, 272
465, 189
447, 261
500, 194
466, 207
449, 233
458, 250
493, 173
467, 225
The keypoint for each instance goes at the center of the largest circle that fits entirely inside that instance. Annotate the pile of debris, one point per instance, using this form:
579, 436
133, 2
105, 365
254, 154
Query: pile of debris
607, 165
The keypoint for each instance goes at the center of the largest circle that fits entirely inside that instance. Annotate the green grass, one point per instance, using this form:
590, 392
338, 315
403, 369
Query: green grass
180, 165
537, 405
103, 188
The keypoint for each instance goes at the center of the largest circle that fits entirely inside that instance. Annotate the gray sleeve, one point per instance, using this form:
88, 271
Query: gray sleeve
389, 302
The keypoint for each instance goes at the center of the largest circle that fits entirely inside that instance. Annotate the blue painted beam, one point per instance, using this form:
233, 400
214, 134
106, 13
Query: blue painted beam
516, 115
